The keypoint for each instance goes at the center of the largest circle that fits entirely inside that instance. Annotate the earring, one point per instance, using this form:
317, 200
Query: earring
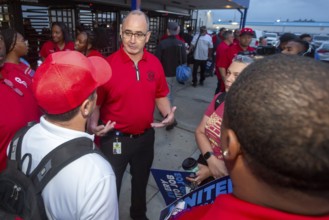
225, 153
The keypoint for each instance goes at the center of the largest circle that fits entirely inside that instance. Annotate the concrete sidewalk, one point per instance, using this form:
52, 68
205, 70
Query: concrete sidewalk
172, 147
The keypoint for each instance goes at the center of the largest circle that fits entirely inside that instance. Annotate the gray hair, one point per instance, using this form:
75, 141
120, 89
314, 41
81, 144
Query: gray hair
226, 34
243, 59
138, 12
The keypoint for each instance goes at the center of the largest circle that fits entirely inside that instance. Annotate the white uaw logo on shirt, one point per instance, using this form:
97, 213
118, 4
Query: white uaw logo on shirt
17, 79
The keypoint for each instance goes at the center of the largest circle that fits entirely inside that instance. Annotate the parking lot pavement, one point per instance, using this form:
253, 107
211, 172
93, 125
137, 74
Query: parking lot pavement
172, 147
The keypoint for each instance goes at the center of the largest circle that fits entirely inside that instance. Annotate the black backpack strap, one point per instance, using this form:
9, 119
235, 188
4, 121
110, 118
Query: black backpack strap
15, 147
196, 43
220, 99
58, 158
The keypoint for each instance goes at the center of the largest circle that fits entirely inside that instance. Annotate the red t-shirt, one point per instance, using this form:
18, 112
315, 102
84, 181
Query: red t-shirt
236, 41
226, 60
220, 51
215, 38
95, 53
50, 47
17, 110
229, 207
130, 101
17, 68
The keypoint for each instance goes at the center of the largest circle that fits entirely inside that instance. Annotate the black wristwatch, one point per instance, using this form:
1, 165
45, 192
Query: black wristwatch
207, 155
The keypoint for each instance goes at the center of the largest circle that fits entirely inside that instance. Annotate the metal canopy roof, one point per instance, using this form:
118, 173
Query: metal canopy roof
183, 7
201, 4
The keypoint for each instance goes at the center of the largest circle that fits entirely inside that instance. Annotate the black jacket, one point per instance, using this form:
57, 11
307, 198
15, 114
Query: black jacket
172, 53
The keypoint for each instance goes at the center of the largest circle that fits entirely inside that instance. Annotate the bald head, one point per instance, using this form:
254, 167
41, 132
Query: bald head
139, 13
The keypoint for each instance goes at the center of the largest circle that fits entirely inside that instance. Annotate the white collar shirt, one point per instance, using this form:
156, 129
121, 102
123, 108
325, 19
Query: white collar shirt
202, 46
85, 188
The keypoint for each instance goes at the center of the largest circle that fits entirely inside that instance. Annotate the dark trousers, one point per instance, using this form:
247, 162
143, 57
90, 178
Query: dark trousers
138, 152
196, 65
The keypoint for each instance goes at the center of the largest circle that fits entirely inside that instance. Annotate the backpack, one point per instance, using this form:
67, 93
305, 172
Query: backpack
20, 193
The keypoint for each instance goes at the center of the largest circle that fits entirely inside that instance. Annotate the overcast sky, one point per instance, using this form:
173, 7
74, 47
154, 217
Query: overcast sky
271, 10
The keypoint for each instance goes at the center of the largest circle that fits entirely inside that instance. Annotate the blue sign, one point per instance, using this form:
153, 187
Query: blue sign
172, 184
203, 195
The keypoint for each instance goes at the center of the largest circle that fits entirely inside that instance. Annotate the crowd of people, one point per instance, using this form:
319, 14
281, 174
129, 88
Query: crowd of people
270, 122
244, 132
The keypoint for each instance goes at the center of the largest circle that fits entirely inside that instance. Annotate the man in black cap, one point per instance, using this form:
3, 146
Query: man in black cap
172, 26
171, 52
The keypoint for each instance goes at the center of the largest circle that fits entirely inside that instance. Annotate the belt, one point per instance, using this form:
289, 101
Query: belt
121, 134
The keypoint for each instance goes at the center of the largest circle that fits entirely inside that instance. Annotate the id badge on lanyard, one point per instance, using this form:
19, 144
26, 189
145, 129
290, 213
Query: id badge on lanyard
117, 145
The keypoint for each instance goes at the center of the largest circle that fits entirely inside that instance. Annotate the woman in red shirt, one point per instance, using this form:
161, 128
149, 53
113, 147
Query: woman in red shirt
60, 40
211, 164
19, 105
17, 47
90, 42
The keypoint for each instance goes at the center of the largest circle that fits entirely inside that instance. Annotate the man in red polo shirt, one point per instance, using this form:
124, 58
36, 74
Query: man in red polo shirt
218, 38
242, 48
125, 106
236, 34
221, 51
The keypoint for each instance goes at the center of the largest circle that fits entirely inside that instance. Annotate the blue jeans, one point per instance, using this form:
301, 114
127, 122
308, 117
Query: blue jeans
172, 85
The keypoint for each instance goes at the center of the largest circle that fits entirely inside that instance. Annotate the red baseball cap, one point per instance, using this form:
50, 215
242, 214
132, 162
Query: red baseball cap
247, 31
65, 79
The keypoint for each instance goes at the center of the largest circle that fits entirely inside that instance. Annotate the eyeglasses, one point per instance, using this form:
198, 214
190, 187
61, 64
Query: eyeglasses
137, 35
11, 85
